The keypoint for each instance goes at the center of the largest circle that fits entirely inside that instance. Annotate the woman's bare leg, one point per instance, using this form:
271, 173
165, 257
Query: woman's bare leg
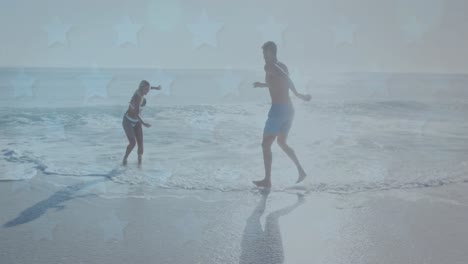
139, 140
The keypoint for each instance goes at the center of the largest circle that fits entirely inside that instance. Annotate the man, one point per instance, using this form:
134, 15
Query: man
281, 114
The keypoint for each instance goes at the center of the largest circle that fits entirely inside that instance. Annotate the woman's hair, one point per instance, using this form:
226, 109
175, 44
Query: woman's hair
143, 83
270, 45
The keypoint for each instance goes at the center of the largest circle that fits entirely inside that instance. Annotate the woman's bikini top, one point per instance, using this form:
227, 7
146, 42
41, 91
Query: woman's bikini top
142, 104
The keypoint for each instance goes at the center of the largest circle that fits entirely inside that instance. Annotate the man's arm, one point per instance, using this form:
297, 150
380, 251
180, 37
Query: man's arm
292, 87
305, 97
285, 73
261, 84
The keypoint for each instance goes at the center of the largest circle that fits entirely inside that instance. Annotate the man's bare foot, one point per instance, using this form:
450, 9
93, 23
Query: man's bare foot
302, 176
263, 183
139, 159
124, 162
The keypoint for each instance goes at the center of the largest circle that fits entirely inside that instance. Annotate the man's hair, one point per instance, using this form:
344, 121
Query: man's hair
270, 45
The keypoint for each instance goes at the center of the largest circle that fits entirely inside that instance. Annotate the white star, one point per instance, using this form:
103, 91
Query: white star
55, 130
120, 190
22, 85
379, 87
343, 31
99, 188
328, 227
96, 84
414, 29
418, 17
45, 230
424, 128
163, 173
127, 32
20, 173
204, 31
375, 66
373, 171
228, 174
164, 79
3, 218
229, 83
164, 14
21, 185
190, 227
272, 31
203, 121
57, 31
113, 227
203, 125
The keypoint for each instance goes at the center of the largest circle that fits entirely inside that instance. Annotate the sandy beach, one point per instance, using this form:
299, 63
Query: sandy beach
386, 183
139, 132
43, 223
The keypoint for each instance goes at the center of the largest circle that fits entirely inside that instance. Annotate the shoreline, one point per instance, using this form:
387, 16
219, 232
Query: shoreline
410, 226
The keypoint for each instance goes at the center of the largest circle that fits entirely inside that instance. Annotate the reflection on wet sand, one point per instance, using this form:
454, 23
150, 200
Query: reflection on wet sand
264, 245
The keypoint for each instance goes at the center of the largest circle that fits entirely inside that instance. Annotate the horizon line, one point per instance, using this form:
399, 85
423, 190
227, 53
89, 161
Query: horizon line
225, 69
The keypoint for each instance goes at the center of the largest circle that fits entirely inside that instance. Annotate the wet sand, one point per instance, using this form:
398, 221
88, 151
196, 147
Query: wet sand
75, 223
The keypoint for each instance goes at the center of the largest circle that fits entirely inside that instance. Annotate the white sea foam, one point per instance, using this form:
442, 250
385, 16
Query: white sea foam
343, 147
346, 140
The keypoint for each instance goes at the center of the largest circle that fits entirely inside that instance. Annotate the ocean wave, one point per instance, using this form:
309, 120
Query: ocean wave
24, 166
217, 147
18, 166
337, 189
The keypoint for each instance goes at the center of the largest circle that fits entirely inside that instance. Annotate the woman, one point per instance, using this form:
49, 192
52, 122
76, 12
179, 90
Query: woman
132, 122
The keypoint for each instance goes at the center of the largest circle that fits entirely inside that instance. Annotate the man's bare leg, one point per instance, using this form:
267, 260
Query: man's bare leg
282, 142
267, 160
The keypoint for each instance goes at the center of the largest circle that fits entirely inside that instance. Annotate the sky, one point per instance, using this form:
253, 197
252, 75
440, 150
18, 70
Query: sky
312, 35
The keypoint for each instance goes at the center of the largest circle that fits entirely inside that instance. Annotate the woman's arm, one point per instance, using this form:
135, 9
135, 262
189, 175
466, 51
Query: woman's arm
143, 122
135, 105
259, 85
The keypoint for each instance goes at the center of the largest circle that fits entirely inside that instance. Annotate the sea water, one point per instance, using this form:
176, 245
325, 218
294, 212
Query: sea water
49, 129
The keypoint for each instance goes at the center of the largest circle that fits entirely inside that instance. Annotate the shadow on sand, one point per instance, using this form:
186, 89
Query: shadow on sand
261, 246
56, 201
